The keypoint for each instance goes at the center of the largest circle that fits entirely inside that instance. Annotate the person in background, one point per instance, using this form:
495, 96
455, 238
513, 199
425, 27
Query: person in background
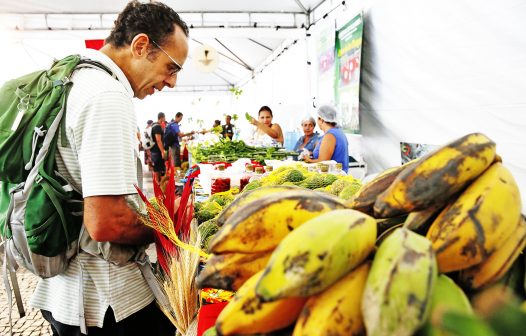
266, 131
175, 149
147, 153
103, 291
216, 128
228, 128
334, 144
309, 139
158, 151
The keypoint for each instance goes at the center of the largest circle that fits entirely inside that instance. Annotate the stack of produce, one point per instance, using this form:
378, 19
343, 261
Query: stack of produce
296, 175
207, 212
232, 150
305, 260
344, 186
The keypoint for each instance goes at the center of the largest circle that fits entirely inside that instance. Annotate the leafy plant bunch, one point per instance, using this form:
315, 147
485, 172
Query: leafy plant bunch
236, 149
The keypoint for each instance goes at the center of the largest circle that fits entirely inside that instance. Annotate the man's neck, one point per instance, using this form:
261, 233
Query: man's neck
118, 56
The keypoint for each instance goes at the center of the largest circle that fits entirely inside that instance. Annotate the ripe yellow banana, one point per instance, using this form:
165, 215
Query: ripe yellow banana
247, 314
315, 255
337, 310
364, 199
437, 176
399, 286
446, 297
499, 262
230, 271
478, 222
248, 197
261, 225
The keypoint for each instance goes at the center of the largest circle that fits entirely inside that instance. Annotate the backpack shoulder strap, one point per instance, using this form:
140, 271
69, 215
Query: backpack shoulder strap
89, 63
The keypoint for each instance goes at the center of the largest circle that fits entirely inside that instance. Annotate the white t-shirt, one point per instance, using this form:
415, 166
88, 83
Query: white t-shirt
260, 138
101, 160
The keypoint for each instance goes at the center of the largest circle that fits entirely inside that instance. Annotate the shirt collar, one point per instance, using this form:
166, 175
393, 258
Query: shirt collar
105, 60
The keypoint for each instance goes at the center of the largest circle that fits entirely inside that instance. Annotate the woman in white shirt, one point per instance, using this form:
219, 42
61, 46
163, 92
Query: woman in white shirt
266, 131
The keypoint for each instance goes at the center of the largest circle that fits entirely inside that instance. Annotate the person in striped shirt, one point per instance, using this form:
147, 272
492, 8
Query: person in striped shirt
104, 291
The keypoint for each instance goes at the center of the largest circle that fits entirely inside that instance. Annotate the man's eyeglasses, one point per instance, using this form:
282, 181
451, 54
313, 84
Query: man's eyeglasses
178, 67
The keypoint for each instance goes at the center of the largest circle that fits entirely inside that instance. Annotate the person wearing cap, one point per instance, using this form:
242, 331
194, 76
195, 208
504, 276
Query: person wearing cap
309, 139
334, 144
266, 131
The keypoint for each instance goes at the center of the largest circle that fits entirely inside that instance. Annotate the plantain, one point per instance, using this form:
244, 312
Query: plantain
436, 177
387, 233
337, 310
248, 197
366, 196
384, 224
247, 314
446, 297
499, 262
399, 286
420, 221
229, 271
468, 230
315, 255
261, 225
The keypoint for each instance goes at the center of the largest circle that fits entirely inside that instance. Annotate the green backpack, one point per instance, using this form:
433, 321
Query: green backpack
40, 213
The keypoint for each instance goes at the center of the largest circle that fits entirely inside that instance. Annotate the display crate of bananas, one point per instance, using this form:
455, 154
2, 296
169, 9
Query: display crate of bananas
407, 255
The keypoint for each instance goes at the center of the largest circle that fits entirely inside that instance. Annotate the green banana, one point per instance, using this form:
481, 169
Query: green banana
447, 296
261, 225
386, 233
315, 255
461, 324
436, 177
398, 291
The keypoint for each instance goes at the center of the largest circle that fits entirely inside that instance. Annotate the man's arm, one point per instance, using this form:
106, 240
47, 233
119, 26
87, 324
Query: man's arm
181, 134
110, 219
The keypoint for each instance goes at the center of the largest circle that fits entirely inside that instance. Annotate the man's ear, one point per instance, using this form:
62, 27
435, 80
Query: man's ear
140, 45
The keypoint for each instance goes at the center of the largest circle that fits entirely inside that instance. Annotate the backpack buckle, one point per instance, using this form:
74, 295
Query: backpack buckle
38, 179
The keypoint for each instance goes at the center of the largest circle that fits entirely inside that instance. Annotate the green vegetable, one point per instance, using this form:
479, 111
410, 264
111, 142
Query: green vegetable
232, 150
249, 118
204, 215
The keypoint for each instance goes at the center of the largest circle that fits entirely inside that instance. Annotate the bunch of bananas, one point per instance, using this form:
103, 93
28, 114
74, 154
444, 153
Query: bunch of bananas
252, 226
374, 264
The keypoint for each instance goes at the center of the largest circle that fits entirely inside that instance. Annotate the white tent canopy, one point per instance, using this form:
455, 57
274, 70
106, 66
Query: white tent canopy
245, 33
430, 72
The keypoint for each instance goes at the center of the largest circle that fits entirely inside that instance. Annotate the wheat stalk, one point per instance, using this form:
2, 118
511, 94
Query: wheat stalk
179, 286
